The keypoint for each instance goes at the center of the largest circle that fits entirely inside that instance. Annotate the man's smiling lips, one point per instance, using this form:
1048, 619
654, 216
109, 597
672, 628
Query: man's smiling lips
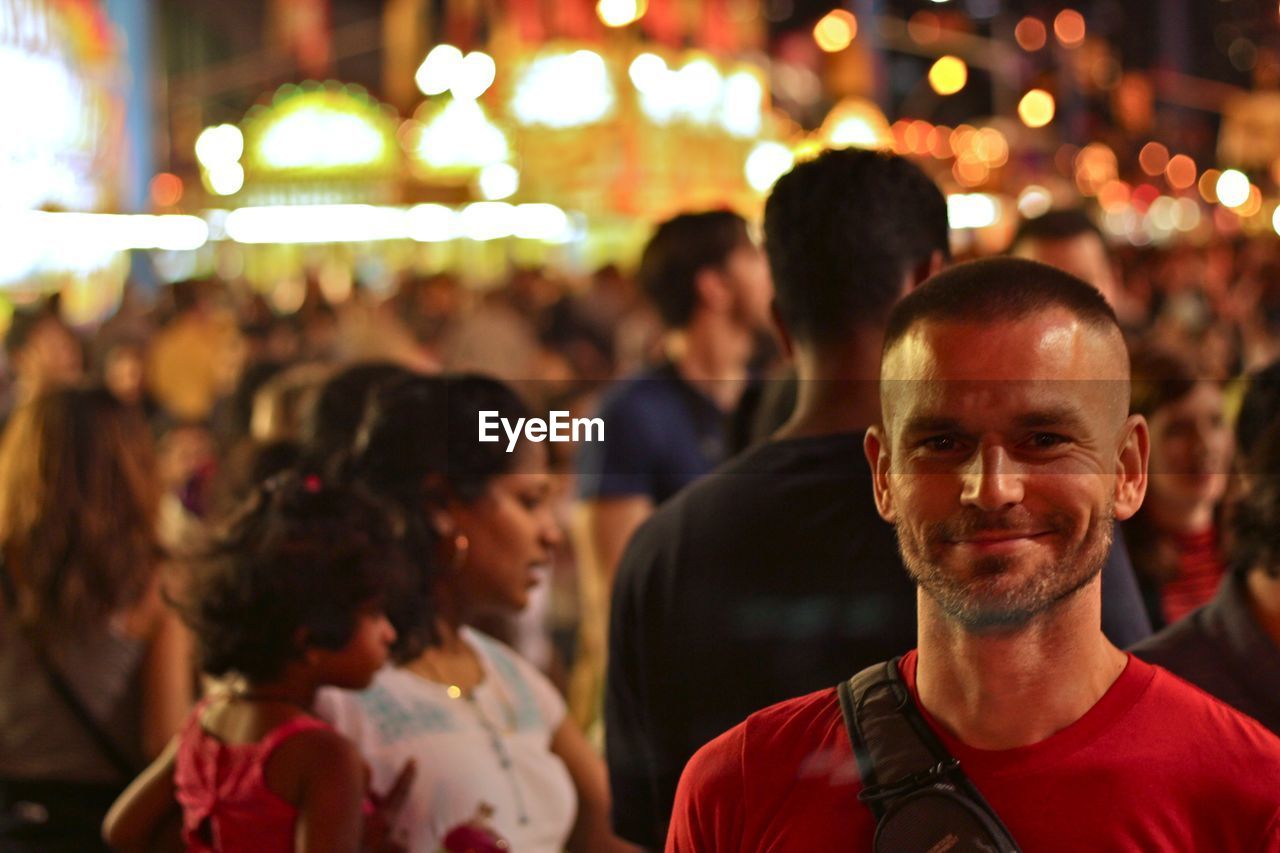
995, 540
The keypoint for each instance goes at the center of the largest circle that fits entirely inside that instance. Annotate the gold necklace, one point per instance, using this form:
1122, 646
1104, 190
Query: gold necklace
432, 672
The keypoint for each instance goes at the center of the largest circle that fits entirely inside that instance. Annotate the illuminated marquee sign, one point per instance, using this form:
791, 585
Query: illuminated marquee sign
65, 120
321, 131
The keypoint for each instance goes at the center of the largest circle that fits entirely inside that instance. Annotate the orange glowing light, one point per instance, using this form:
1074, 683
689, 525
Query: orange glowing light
1209, 185
1069, 28
1181, 172
924, 28
166, 189
1030, 34
1153, 158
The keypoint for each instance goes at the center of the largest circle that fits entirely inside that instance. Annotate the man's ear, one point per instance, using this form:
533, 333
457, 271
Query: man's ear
875, 446
784, 335
1131, 467
922, 271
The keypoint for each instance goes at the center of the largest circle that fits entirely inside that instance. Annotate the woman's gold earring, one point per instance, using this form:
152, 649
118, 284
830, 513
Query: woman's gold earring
461, 547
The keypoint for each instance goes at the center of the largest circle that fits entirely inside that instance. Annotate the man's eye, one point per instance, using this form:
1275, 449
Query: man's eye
1047, 440
939, 443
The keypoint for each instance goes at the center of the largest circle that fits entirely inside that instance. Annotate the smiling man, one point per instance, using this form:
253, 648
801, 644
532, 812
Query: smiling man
1005, 455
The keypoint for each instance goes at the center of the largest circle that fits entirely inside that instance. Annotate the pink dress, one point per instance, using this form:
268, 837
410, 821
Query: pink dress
226, 804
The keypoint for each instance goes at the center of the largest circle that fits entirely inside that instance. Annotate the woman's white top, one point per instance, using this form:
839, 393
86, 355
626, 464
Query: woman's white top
491, 749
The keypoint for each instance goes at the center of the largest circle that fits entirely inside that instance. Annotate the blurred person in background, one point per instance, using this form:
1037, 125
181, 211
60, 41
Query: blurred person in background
491, 736
1230, 647
43, 353
667, 426
1175, 539
95, 671
195, 358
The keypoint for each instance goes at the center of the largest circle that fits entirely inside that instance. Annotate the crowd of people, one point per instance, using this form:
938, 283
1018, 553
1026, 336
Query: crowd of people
265, 588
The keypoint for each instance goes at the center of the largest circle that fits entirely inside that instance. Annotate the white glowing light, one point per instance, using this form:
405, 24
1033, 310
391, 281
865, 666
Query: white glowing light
487, 220
648, 72
544, 222
564, 90
767, 162
461, 136
1034, 201
741, 111
1233, 188
972, 210
436, 73
619, 13
83, 242
699, 85
854, 131
219, 145
1186, 215
325, 223
473, 76
431, 223
314, 139
498, 181
225, 178
1162, 213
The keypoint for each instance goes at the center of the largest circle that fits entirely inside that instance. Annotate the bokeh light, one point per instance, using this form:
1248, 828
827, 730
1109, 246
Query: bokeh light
835, 31
1181, 172
1232, 188
1069, 27
1036, 108
948, 75
1030, 34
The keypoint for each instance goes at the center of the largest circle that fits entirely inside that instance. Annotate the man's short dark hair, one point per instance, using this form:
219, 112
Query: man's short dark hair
678, 250
841, 231
1063, 224
997, 290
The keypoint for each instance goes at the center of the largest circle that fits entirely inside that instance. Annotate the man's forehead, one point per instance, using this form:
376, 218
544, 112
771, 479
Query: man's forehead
1053, 344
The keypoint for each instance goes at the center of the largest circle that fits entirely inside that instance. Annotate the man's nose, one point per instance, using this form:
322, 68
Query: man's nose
992, 481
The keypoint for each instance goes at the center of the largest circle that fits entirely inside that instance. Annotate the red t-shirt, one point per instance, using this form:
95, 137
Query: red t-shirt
1155, 765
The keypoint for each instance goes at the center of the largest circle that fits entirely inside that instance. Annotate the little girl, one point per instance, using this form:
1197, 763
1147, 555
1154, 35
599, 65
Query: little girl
290, 600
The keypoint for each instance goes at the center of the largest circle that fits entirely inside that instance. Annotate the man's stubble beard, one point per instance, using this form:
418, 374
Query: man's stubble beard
976, 601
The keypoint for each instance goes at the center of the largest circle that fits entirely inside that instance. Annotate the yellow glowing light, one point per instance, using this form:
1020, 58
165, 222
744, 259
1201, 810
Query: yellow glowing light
767, 162
1252, 204
1275, 220
835, 31
1232, 188
948, 75
1180, 172
1153, 158
970, 171
1069, 28
1030, 34
436, 73
990, 146
321, 129
619, 13
859, 123
1036, 108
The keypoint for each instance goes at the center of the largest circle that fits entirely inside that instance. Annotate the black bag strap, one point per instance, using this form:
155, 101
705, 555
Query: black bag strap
897, 753
116, 756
